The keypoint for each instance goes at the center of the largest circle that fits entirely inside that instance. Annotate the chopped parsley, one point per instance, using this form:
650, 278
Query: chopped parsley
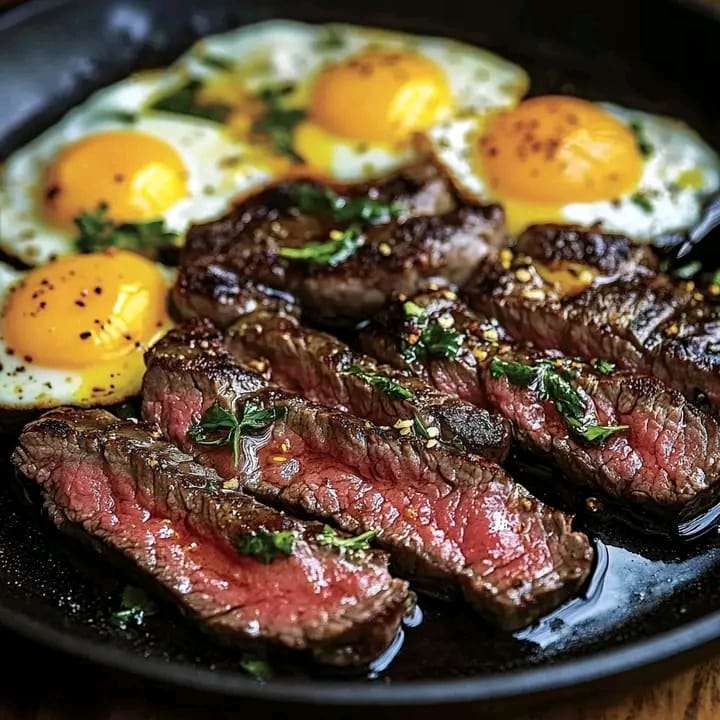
642, 200
605, 367
644, 146
97, 232
341, 245
393, 389
266, 546
427, 337
135, 606
219, 426
329, 39
358, 543
554, 383
256, 667
316, 200
185, 100
216, 62
278, 122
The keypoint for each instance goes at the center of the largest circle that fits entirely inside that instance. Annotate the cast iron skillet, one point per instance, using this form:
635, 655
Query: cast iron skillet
649, 601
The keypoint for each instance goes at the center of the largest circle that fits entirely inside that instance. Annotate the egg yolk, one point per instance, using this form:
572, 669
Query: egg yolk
557, 150
85, 309
138, 176
380, 96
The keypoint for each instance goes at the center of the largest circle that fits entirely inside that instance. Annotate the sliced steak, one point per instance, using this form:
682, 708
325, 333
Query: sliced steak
324, 369
230, 264
667, 458
122, 487
593, 296
451, 520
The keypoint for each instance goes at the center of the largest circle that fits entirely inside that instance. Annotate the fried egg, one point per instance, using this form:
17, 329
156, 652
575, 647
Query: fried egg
74, 331
115, 151
562, 159
341, 100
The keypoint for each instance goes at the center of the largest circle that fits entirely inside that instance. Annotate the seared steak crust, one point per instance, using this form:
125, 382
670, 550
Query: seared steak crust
144, 498
627, 312
667, 461
451, 520
320, 367
227, 265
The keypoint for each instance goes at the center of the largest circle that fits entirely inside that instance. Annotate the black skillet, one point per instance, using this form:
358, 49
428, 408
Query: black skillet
651, 600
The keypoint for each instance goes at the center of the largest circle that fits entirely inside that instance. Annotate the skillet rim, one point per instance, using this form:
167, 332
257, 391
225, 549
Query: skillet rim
571, 675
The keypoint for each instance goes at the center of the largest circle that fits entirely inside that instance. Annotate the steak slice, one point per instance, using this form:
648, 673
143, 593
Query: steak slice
121, 486
229, 265
324, 369
599, 298
452, 521
666, 460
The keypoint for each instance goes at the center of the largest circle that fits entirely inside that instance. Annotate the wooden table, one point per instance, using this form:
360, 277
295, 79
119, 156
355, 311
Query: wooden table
37, 684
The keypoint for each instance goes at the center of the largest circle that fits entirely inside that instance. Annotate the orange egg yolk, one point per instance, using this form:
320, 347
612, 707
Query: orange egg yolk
85, 309
138, 176
557, 150
380, 96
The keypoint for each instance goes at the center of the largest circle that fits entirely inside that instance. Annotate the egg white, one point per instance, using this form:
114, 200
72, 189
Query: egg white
676, 149
26, 385
215, 163
281, 52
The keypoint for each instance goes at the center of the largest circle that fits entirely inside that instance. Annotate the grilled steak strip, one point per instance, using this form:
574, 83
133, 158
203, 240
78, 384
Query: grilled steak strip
140, 496
668, 459
451, 520
324, 369
229, 265
589, 294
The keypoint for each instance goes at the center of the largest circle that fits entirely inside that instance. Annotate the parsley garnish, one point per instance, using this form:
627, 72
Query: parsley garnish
216, 62
385, 384
431, 339
642, 201
329, 537
551, 382
185, 101
219, 426
259, 669
329, 39
341, 245
605, 367
277, 123
266, 546
97, 232
135, 606
420, 428
314, 199
644, 146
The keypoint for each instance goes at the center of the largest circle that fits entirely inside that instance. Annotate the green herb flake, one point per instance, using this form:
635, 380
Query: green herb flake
278, 122
216, 62
688, 270
219, 426
642, 201
96, 232
359, 543
135, 606
316, 200
411, 309
427, 337
420, 428
329, 39
393, 389
715, 282
551, 382
644, 146
604, 367
257, 668
341, 245
266, 546
185, 101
